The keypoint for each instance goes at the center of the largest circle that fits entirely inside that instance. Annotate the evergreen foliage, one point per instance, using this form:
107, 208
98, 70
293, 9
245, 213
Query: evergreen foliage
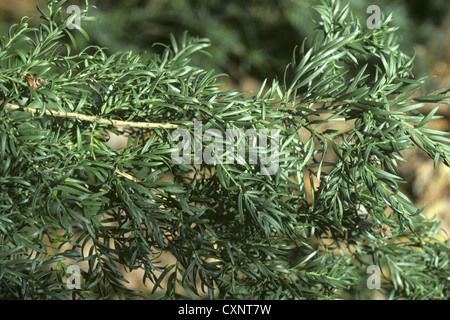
344, 111
256, 37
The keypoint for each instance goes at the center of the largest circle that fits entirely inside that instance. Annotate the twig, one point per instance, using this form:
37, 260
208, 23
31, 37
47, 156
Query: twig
125, 175
95, 119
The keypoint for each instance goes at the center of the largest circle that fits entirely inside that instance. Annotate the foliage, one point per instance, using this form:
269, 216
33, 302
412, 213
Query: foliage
344, 115
256, 37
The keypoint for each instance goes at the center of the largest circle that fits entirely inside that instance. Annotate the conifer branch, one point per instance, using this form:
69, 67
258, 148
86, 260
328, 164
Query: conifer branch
95, 119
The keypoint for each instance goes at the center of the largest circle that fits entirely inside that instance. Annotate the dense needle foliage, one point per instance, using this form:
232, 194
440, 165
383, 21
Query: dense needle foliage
255, 38
344, 111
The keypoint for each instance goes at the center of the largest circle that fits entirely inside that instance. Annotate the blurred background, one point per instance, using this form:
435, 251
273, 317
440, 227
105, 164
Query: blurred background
254, 39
